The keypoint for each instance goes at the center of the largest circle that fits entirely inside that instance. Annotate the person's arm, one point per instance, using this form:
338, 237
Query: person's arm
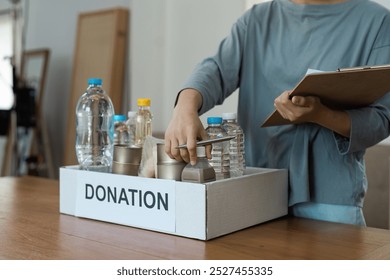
211, 82
310, 109
185, 127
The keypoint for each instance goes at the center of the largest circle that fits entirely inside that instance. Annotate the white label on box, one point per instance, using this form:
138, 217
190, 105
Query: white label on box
128, 200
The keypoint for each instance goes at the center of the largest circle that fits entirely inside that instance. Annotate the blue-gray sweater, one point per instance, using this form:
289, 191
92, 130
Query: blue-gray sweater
268, 51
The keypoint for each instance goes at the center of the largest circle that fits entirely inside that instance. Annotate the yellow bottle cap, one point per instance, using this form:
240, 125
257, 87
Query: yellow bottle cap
143, 101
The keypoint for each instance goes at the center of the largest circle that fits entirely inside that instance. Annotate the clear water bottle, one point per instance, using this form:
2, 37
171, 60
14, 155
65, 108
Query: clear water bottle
236, 145
131, 125
94, 128
220, 159
143, 126
121, 132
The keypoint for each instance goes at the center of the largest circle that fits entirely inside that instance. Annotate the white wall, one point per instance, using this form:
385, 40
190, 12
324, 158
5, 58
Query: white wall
165, 49
385, 3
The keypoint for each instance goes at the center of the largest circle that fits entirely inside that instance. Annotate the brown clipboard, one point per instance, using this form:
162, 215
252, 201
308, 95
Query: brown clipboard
346, 88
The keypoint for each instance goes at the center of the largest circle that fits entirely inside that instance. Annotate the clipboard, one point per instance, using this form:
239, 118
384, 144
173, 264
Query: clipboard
346, 88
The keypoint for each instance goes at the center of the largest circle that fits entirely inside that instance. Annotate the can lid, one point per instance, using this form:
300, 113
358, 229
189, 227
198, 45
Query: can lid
214, 120
229, 116
119, 118
143, 101
95, 81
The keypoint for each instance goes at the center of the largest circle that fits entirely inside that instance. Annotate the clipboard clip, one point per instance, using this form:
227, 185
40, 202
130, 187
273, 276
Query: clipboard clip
359, 68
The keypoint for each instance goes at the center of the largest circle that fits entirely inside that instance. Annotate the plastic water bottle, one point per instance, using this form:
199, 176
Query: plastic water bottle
131, 125
236, 145
220, 151
94, 128
121, 132
143, 126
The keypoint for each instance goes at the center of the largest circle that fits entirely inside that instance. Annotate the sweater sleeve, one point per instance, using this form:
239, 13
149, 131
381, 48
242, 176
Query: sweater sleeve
371, 124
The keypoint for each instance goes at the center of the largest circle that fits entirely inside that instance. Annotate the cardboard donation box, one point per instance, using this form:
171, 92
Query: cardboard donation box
200, 211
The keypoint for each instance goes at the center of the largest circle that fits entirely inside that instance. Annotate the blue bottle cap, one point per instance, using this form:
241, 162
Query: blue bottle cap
119, 118
214, 120
95, 81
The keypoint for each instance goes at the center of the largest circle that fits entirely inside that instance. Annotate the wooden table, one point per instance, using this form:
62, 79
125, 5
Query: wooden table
31, 227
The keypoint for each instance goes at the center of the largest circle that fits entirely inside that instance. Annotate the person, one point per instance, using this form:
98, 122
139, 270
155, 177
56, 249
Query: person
268, 51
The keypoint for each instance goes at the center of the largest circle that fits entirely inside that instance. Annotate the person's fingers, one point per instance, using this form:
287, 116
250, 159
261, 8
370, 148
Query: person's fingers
304, 101
191, 149
299, 101
172, 151
208, 151
167, 147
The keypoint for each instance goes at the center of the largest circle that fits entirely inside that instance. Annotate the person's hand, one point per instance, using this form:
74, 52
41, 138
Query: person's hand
185, 127
299, 108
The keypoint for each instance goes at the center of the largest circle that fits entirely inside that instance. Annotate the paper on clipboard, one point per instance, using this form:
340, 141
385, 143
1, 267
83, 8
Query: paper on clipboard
346, 88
